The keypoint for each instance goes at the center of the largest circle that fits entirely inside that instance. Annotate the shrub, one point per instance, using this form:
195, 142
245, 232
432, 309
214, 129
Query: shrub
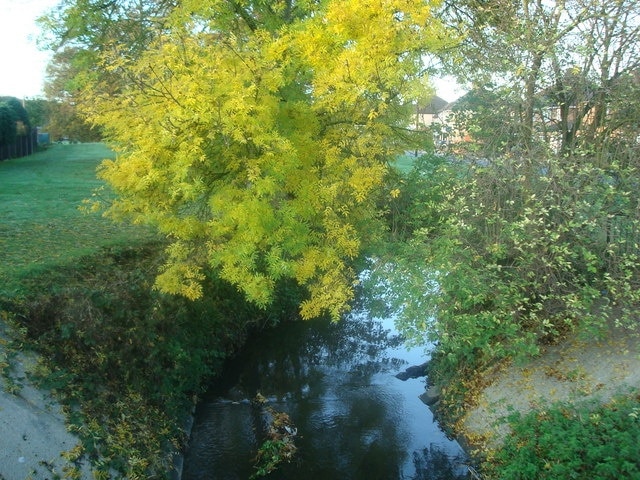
569, 442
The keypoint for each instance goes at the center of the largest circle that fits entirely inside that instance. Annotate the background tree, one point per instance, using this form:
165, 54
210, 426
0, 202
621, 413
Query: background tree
16, 138
529, 232
65, 121
80, 32
37, 110
556, 70
20, 113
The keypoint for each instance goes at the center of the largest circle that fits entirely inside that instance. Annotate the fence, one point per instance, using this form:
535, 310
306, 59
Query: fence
23, 146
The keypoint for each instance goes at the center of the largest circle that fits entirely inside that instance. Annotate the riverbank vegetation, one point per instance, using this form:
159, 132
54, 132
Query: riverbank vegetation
518, 256
523, 229
572, 441
498, 260
269, 176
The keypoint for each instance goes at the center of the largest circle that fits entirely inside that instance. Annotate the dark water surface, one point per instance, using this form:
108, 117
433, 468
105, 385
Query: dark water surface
337, 382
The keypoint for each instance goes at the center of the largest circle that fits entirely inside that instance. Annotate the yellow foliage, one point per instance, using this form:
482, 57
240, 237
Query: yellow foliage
255, 137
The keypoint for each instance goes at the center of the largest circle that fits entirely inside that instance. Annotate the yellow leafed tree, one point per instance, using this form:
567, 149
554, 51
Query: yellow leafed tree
254, 135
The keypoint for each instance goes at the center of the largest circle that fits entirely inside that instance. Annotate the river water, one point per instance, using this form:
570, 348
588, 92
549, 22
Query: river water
336, 381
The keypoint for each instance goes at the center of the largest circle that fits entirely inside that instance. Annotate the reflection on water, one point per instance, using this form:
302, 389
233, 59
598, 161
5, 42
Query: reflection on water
355, 420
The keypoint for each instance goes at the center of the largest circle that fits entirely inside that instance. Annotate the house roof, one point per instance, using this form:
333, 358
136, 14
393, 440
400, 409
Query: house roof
435, 105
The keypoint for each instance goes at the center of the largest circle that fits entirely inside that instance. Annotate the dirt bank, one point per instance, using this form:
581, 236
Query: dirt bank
575, 370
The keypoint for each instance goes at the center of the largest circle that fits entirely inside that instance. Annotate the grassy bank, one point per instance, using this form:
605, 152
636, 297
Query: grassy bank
40, 206
125, 360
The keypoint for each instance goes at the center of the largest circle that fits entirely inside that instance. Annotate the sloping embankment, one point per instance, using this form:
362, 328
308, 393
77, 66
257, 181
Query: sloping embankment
573, 371
34, 432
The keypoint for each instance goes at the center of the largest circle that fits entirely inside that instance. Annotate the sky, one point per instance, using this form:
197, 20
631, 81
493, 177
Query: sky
448, 89
23, 65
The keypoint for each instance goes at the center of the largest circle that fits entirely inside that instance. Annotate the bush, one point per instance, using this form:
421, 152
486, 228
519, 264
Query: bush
509, 254
573, 443
7, 124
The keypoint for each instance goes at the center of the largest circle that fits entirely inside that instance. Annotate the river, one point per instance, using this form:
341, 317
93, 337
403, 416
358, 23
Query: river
336, 381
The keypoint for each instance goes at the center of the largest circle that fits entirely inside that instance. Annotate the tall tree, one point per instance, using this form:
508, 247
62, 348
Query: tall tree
80, 32
254, 133
555, 70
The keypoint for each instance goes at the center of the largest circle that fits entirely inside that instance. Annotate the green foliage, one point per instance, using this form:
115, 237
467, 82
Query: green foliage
279, 445
14, 121
411, 195
581, 442
271, 454
7, 124
19, 110
38, 111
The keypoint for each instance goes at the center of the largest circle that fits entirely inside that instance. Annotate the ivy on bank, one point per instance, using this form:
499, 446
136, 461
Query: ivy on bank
564, 441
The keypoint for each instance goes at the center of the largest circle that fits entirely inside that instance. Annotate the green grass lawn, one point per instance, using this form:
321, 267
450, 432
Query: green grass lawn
41, 223
404, 163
